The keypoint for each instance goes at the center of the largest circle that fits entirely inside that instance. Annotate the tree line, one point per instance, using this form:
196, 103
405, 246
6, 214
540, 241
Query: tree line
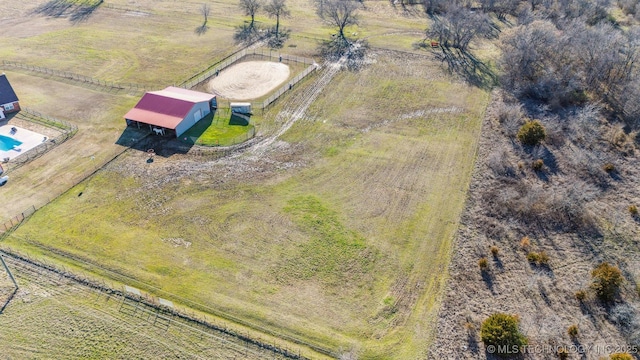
558, 52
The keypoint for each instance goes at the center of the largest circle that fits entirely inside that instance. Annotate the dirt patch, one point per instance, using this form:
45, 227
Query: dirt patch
249, 80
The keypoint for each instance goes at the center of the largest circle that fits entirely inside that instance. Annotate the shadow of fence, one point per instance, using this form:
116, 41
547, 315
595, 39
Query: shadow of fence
15, 286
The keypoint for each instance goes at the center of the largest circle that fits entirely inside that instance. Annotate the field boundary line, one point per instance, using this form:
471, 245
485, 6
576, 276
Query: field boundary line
77, 79
20, 218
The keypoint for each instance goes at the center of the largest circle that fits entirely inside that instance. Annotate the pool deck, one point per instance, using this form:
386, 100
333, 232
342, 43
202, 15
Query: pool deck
28, 138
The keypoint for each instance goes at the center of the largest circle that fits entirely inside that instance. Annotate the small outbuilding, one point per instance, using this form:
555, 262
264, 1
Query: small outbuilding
241, 108
171, 111
8, 98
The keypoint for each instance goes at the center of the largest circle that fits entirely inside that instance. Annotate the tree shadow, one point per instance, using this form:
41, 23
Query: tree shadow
202, 29
488, 280
498, 263
355, 52
469, 67
76, 12
247, 34
277, 40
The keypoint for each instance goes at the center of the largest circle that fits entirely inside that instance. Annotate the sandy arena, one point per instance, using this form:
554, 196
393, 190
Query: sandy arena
249, 80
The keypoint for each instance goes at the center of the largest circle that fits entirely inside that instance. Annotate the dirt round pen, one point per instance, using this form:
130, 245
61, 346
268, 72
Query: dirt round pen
249, 80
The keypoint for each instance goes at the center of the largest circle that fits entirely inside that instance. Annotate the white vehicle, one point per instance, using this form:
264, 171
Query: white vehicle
3, 180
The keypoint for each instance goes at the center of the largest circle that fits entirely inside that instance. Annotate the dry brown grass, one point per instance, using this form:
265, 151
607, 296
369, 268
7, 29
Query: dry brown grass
576, 214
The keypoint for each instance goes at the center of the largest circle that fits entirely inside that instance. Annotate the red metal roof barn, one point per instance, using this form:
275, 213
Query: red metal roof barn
173, 109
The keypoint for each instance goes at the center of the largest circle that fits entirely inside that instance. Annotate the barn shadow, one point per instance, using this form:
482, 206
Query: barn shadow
146, 142
239, 119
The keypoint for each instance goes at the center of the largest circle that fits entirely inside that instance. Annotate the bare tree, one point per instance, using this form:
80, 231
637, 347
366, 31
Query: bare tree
500, 7
528, 60
250, 8
205, 10
340, 13
458, 27
433, 7
277, 9
534, 4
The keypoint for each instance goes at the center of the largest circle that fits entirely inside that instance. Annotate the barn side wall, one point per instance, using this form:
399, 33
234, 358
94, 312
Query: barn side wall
189, 120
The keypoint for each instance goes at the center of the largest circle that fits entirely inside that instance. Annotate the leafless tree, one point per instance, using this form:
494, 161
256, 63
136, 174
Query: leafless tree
277, 9
534, 4
458, 27
433, 7
529, 59
250, 8
500, 7
340, 13
205, 10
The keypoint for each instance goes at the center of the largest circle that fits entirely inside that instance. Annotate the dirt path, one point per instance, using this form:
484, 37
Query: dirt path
297, 110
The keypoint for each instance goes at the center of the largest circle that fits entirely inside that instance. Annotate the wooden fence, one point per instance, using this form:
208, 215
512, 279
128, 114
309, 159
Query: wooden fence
107, 86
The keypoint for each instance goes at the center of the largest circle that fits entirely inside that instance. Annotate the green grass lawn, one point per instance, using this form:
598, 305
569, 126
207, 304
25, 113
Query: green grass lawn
220, 128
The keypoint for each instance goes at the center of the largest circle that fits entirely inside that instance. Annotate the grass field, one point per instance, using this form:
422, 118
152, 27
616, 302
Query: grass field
340, 253
338, 236
52, 317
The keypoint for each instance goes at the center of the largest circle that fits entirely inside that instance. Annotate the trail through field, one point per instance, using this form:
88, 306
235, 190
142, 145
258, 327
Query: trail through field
296, 107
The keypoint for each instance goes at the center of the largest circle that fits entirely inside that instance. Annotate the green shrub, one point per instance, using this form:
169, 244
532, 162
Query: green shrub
537, 165
539, 258
501, 330
563, 353
581, 295
620, 356
483, 263
609, 167
633, 210
532, 133
495, 251
572, 330
606, 281
543, 258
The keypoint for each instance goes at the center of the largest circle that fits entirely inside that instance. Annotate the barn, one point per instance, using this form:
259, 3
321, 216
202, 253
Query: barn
8, 99
171, 111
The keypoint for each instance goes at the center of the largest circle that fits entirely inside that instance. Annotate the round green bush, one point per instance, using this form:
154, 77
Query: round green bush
501, 331
606, 281
532, 133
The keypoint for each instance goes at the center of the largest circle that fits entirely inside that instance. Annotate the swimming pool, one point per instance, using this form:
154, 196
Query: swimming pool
7, 143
